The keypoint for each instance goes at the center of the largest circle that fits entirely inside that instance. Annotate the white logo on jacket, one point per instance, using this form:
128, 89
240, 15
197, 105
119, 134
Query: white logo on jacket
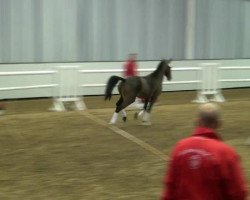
194, 161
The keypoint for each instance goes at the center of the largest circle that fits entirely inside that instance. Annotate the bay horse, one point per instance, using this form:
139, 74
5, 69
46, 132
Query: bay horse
148, 87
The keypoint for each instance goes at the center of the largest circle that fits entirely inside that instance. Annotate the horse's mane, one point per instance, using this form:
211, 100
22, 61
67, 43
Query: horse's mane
159, 67
163, 61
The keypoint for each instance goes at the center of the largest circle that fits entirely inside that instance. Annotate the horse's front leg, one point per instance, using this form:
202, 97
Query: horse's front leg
146, 115
141, 113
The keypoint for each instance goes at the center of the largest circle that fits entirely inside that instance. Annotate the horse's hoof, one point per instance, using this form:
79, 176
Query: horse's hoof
124, 119
146, 123
136, 115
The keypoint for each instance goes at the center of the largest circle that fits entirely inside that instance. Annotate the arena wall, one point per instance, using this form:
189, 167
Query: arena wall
107, 30
101, 78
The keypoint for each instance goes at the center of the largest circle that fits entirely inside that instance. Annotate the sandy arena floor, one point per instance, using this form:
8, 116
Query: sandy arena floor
76, 155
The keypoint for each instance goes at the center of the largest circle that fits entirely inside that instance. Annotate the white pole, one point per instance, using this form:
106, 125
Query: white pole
190, 28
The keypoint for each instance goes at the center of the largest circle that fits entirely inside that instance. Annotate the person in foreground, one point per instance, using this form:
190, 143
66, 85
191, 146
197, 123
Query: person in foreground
202, 167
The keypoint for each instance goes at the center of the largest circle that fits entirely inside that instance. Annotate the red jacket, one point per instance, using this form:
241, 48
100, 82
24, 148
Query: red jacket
202, 167
130, 68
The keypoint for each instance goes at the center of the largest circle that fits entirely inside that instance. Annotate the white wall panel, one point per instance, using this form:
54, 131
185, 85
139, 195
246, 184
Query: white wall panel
101, 78
107, 30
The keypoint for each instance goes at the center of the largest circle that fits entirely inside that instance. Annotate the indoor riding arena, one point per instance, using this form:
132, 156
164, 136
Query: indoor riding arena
77, 155
58, 136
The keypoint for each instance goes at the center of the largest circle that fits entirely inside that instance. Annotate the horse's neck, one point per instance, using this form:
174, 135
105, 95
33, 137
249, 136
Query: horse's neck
158, 74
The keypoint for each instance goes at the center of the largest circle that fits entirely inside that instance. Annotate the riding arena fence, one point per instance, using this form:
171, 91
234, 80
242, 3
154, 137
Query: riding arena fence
66, 87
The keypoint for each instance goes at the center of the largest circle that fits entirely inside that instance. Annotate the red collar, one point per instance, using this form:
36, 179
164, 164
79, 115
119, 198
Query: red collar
206, 132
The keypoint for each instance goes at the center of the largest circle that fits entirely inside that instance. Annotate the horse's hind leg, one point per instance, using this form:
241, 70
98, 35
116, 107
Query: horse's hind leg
116, 114
120, 107
114, 118
124, 114
124, 104
119, 102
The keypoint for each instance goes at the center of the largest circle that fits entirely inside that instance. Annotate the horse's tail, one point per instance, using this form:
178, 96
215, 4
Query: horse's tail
113, 80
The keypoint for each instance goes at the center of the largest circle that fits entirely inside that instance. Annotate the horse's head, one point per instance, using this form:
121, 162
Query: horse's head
167, 69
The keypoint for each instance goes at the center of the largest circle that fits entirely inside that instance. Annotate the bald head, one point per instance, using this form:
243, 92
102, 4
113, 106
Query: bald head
209, 115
